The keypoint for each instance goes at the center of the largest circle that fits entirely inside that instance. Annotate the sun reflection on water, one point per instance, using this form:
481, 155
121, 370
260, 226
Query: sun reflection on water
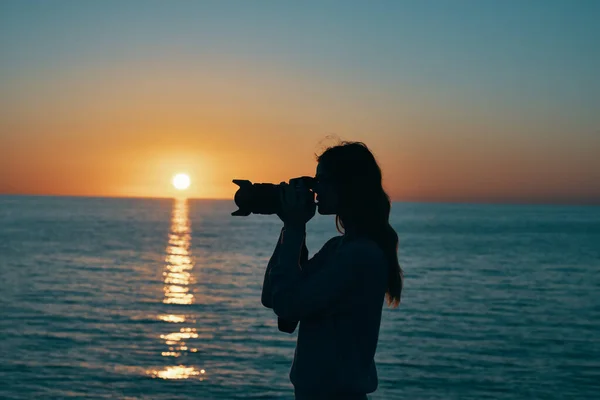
178, 261
177, 319
178, 372
177, 280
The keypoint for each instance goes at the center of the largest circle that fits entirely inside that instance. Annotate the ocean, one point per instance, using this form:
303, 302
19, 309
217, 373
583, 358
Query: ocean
160, 299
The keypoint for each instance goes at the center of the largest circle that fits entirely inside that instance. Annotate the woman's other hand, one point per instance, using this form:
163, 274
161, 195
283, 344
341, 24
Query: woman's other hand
297, 206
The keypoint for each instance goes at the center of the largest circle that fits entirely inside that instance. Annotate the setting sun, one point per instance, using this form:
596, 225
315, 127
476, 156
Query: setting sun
181, 181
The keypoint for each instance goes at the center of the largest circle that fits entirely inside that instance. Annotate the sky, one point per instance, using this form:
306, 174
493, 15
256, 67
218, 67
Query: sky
466, 101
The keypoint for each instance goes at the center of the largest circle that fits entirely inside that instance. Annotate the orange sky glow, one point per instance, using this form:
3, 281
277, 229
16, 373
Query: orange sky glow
85, 116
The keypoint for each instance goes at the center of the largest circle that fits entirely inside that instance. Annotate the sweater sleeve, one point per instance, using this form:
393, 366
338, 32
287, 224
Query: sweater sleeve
265, 298
316, 262
308, 266
283, 324
296, 296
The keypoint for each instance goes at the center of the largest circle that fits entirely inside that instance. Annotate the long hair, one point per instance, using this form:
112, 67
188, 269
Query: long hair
364, 204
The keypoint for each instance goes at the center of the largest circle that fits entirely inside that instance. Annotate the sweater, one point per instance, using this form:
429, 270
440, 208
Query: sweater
336, 297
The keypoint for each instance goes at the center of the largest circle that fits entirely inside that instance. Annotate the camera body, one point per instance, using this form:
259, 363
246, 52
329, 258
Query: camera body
264, 198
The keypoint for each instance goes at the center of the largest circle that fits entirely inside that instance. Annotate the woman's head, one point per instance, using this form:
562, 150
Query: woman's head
349, 185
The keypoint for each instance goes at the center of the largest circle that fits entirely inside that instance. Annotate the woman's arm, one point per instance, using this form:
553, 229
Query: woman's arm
265, 298
308, 266
296, 296
283, 324
266, 288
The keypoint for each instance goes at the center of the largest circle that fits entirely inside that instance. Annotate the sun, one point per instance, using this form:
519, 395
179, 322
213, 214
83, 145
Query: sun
181, 181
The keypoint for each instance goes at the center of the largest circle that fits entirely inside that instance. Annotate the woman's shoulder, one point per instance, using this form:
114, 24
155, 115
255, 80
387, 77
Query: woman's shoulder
333, 242
335, 239
353, 246
360, 247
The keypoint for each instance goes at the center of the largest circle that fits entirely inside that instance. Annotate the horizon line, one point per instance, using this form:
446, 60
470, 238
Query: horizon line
590, 203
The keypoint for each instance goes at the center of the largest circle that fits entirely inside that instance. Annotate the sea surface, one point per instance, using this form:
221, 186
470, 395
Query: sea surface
160, 299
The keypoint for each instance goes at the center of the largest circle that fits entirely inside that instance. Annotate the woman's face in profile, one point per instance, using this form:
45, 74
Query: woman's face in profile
326, 195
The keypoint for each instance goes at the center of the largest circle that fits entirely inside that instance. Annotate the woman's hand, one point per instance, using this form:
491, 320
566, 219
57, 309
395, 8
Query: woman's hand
297, 208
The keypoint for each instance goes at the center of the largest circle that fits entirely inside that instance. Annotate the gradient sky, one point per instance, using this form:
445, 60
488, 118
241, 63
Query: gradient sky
459, 100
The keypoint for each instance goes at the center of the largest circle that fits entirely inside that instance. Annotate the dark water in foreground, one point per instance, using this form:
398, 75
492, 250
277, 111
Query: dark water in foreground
160, 299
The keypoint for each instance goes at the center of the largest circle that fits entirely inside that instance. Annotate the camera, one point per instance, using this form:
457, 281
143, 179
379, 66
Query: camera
264, 198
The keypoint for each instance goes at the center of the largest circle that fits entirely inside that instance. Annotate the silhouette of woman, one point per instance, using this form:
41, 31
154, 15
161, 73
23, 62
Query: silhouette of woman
337, 295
